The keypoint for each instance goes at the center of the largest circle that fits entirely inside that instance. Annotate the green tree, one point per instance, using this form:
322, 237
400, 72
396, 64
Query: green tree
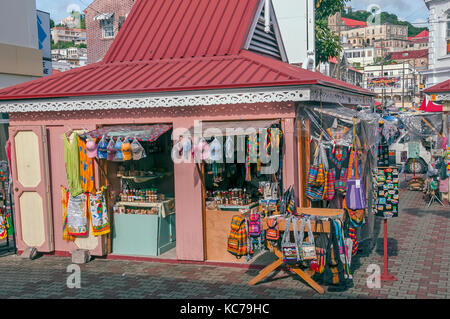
52, 24
327, 44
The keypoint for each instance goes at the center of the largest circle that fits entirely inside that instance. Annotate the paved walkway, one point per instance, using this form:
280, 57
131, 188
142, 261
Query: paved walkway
419, 245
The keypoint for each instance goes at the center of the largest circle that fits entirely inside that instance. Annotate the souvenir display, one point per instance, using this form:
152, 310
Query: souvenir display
387, 200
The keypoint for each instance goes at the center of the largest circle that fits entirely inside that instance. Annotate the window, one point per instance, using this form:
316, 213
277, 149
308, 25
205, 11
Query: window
448, 33
107, 26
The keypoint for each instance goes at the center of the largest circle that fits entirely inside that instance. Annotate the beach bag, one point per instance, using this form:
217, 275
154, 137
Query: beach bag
356, 216
321, 244
237, 239
254, 225
355, 197
272, 232
307, 249
334, 270
340, 185
290, 251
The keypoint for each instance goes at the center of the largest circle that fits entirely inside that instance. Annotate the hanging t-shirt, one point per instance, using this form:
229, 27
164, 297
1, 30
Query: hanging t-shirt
72, 164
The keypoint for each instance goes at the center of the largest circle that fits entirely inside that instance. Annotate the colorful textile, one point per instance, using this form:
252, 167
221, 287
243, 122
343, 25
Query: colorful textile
3, 227
99, 214
86, 168
64, 202
72, 164
77, 211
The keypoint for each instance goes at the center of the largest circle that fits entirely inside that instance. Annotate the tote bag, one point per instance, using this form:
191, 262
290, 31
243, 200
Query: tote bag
355, 197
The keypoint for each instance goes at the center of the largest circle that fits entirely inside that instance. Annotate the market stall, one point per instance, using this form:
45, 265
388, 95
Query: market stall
137, 170
236, 177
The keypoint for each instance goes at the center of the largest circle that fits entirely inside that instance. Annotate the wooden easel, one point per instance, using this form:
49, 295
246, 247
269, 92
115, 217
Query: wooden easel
305, 275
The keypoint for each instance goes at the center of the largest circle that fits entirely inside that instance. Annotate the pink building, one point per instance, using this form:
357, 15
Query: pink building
104, 19
172, 63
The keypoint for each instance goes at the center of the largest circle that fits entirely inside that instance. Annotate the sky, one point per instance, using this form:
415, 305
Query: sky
413, 11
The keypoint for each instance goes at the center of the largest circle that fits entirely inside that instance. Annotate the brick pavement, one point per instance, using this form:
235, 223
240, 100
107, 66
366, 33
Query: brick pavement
419, 246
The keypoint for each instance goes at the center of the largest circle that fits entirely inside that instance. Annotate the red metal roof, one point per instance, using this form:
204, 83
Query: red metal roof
440, 87
162, 29
354, 23
423, 34
177, 46
406, 55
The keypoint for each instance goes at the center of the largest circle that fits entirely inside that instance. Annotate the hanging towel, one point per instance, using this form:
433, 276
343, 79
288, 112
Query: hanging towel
77, 210
86, 168
64, 202
99, 214
72, 164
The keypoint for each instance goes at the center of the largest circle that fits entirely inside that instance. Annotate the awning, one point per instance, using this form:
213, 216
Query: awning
143, 133
232, 128
103, 16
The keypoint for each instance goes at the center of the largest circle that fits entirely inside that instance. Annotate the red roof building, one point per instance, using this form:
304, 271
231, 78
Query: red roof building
351, 23
174, 63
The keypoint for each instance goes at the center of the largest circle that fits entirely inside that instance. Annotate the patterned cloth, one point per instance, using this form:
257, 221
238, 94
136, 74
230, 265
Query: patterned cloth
86, 168
64, 202
99, 214
77, 211
3, 227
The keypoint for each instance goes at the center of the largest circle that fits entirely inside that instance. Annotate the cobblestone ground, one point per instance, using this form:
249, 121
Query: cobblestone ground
419, 246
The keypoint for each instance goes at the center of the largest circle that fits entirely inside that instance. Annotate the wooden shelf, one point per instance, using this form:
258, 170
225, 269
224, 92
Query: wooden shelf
140, 204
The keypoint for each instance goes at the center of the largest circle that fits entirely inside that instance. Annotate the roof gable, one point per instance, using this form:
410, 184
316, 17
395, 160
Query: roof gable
262, 42
161, 29
440, 87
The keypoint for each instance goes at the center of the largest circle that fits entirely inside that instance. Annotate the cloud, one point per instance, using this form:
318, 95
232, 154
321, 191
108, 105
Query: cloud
408, 10
59, 8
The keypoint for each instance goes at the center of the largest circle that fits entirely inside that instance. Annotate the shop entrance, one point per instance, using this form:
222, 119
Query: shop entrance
240, 182
137, 169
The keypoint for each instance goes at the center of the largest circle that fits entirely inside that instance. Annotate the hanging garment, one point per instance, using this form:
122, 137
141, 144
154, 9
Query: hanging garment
248, 174
91, 147
229, 149
137, 150
253, 148
72, 164
215, 150
111, 150
3, 227
64, 202
77, 211
126, 150
102, 148
86, 168
99, 214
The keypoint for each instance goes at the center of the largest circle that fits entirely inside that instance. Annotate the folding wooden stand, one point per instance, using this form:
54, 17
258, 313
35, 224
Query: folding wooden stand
305, 275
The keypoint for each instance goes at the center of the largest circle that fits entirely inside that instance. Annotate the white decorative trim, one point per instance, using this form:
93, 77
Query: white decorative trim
339, 96
443, 97
79, 104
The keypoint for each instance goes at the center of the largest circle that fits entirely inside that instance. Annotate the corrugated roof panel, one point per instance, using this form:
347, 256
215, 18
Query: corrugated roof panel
159, 29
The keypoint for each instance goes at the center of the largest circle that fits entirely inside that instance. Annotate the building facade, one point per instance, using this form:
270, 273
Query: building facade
64, 34
417, 59
439, 44
385, 35
360, 57
104, 18
20, 57
396, 82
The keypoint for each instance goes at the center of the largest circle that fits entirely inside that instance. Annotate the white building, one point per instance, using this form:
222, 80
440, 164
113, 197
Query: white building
439, 45
397, 82
20, 57
360, 57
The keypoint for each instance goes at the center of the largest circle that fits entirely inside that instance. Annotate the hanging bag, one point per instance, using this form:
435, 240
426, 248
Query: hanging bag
307, 248
355, 197
290, 250
330, 186
272, 232
321, 244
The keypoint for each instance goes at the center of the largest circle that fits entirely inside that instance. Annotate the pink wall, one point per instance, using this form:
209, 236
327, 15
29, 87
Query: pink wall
188, 203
